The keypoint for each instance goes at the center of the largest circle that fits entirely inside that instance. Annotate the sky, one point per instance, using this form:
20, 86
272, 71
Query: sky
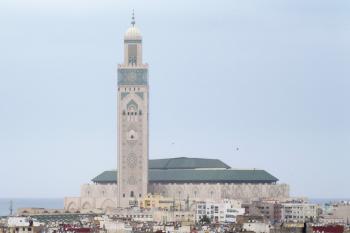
271, 78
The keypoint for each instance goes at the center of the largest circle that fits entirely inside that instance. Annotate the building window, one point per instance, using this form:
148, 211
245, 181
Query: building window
140, 112
132, 52
132, 194
124, 112
123, 194
140, 195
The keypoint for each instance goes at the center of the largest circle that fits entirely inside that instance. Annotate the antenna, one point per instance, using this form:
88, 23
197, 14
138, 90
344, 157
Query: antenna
133, 18
11, 207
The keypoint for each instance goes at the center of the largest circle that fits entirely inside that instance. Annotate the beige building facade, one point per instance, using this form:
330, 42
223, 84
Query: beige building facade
132, 110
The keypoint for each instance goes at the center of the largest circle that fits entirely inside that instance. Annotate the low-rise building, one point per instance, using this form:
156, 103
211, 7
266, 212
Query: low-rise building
257, 227
219, 212
299, 212
270, 210
23, 225
154, 215
337, 213
184, 217
156, 201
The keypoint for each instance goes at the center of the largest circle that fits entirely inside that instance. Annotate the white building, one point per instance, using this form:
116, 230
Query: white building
257, 227
23, 225
221, 212
299, 212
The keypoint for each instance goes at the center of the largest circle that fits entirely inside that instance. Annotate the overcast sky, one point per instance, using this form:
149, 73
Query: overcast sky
269, 77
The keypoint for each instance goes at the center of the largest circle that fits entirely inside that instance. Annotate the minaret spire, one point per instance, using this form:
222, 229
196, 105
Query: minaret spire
133, 18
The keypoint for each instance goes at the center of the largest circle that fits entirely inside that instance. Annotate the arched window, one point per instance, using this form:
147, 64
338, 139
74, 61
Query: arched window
132, 194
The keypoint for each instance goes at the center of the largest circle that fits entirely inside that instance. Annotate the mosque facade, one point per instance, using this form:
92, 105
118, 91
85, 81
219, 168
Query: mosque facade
178, 178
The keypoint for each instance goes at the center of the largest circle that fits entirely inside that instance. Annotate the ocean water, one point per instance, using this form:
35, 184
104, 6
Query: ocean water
321, 201
50, 203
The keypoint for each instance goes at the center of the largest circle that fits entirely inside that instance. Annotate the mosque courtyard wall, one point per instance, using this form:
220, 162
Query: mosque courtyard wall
104, 196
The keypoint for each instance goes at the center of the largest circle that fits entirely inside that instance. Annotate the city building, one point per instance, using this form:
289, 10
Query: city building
271, 210
299, 212
23, 225
336, 213
156, 201
177, 178
225, 211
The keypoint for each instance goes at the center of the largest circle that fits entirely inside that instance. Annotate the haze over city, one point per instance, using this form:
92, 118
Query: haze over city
256, 84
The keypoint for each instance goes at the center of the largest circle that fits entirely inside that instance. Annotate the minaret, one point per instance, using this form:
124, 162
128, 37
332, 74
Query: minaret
132, 120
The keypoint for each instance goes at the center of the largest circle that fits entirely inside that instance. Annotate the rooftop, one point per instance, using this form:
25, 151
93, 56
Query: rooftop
194, 170
186, 163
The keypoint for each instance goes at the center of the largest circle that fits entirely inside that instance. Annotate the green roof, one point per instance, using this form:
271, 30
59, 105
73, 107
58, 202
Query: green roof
194, 170
186, 163
223, 176
197, 176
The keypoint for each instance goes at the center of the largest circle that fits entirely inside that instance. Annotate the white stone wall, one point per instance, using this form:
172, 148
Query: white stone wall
257, 227
218, 191
103, 197
93, 197
132, 144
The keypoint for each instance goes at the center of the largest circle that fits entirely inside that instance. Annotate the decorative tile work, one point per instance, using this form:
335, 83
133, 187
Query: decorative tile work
132, 76
140, 94
123, 94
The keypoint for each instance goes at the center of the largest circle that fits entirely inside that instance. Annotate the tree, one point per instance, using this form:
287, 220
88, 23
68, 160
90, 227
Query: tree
205, 220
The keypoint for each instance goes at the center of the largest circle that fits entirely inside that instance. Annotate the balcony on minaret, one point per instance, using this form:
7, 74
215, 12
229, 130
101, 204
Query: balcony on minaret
126, 66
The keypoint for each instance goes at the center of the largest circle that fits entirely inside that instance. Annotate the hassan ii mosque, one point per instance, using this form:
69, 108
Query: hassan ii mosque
180, 178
